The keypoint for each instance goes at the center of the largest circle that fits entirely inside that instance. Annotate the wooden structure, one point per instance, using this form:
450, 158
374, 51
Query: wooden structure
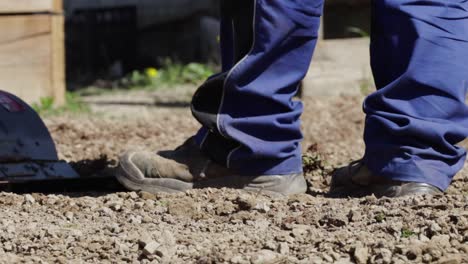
32, 63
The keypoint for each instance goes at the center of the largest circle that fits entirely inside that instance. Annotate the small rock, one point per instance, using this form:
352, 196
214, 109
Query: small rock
7, 247
114, 228
299, 230
283, 248
450, 260
139, 205
335, 256
435, 252
427, 258
122, 248
61, 260
314, 259
361, 255
69, 215
423, 238
269, 245
386, 255
10, 229
441, 240
327, 257
354, 215
106, 211
94, 247
116, 206
246, 202
334, 220
435, 228
147, 219
135, 219
133, 195
76, 233
343, 261
371, 199
264, 256
262, 207
151, 248
147, 196
168, 239
237, 260
164, 252
29, 198
463, 248
413, 253
144, 240
284, 238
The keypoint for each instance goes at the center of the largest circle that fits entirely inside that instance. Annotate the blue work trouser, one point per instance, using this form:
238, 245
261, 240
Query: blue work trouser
419, 52
250, 121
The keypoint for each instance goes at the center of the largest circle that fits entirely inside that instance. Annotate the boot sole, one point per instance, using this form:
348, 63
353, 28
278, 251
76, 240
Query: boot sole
133, 179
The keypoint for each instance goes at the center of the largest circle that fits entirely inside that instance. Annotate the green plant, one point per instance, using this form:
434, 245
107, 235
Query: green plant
312, 161
175, 73
73, 104
195, 72
358, 31
46, 104
140, 79
406, 233
171, 74
380, 217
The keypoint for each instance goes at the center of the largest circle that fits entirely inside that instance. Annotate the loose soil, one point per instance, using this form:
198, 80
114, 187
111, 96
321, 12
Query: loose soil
222, 226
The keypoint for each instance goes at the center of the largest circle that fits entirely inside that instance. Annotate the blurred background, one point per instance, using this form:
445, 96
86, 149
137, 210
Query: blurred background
71, 45
109, 38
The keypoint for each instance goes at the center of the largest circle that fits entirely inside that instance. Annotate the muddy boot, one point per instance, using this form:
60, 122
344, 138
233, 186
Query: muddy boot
356, 179
187, 168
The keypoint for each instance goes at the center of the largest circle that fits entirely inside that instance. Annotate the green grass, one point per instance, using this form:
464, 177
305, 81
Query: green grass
73, 104
406, 233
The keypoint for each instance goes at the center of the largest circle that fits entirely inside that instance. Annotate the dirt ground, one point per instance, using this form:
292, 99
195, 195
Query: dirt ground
222, 226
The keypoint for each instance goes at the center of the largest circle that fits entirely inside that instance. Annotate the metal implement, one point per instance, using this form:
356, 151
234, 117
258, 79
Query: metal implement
27, 151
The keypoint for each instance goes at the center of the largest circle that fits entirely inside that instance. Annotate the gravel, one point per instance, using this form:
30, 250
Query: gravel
226, 226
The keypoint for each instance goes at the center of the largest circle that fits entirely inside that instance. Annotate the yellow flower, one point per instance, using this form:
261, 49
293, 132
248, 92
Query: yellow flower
151, 72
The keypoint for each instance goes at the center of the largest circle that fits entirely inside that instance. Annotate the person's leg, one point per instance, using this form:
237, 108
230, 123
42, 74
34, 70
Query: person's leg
254, 125
251, 127
419, 52
236, 23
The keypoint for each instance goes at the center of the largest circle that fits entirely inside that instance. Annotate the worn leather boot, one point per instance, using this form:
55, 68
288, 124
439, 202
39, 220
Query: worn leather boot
356, 179
187, 168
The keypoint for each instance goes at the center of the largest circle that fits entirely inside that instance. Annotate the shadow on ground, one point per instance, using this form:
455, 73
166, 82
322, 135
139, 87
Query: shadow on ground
96, 178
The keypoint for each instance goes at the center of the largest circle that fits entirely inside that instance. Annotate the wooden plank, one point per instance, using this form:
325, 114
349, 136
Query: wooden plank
15, 28
57, 6
58, 59
25, 49
30, 6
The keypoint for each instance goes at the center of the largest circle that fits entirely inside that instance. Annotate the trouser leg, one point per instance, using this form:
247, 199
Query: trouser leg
419, 54
251, 123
